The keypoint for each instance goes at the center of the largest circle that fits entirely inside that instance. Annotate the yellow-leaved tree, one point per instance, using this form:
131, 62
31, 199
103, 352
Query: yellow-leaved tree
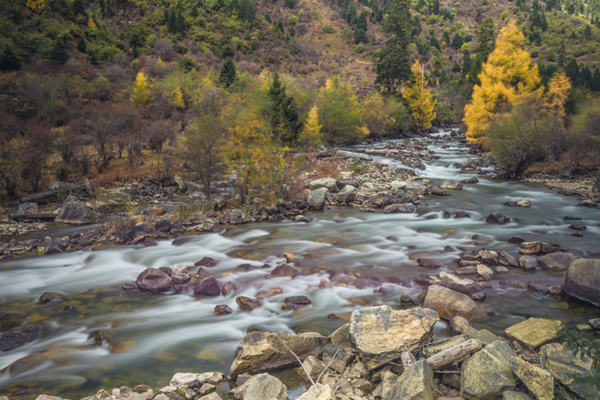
36, 5
507, 78
419, 98
141, 90
556, 96
311, 132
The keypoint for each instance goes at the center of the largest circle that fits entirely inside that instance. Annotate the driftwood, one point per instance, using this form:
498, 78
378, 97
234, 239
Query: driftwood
33, 217
351, 154
454, 353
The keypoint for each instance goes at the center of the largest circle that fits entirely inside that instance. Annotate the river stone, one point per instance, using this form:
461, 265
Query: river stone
451, 185
47, 397
528, 263
508, 259
446, 344
329, 183
449, 303
497, 218
487, 373
261, 387
195, 380
222, 309
382, 334
556, 261
460, 325
206, 287
263, 351
20, 335
316, 199
347, 194
539, 381
535, 248
534, 332
400, 208
154, 280
27, 208
74, 211
211, 396
484, 271
415, 383
514, 395
318, 391
582, 280
462, 285
246, 303
569, 369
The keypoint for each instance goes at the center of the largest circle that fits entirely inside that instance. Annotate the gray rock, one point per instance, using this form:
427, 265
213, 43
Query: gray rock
556, 261
582, 280
462, 285
74, 211
195, 380
212, 396
497, 218
316, 198
154, 280
528, 263
347, 194
261, 387
514, 395
451, 185
318, 391
487, 373
27, 208
329, 183
415, 383
449, 303
20, 335
400, 208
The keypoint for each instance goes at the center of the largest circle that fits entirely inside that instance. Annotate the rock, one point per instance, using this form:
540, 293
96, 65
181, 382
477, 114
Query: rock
582, 280
212, 396
531, 248
415, 383
329, 183
501, 270
507, 259
206, 287
460, 325
195, 380
534, 332
484, 271
449, 303
313, 366
528, 263
206, 262
539, 381
27, 208
556, 261
20, 335
284, 270
347, 194
400, 208
578, 226
297, 300
222, 309
583, 327
48, 297
351, 154
572, 371
246, 303
451, 185
427, 263
47, 397
446, 344
163, 225
261, 387
514, 395
318, 391
497, 218
487, 373
595, 323
519, 203
470, 181
263, 351
74, 211
381, 334
462, 285
316, 198
489, 257
154, 280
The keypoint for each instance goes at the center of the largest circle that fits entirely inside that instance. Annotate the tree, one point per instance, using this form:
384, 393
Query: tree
284, 118
36, 5
506, 78
419, 98
311, 134
227, 74
78, 7
10, 163
339, 113
38, 146
553, 108
9, 60
374, 114
58, 52
393, 66
141, 90
157, 133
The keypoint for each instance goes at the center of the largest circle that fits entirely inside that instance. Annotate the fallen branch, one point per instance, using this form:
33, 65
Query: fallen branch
455, 353
328, 365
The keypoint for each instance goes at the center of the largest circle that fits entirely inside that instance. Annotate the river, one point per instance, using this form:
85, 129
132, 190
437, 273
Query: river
149, 337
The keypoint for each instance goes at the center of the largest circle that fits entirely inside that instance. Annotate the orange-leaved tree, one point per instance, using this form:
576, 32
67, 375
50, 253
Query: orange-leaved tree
507, 78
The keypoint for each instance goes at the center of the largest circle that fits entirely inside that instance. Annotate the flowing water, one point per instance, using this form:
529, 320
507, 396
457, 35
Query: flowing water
343, 254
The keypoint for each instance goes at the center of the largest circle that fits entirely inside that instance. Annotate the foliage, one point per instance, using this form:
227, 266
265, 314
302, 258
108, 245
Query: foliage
140, 94
311, 133
227, 74
339, 113
36, 5
283, 112
393, 64
585, 346
506, 79
419, 98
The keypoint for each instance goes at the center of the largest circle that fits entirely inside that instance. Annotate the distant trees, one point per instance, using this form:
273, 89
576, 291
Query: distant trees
393, 65
419, 98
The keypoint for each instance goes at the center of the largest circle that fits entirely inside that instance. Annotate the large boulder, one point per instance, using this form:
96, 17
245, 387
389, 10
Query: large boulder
449, 303
329, 183
583, 280
381, 334
261, 387
415, 383
74, 211
572, 371
316, 198
556, 261
534, 332
154, 280
539, 381
487, 373
27, 208
264, 351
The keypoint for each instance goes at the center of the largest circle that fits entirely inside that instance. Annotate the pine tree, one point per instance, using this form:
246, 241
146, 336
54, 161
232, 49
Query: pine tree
419, 98
506, 78
58, 52
393, 65
285, 122
227, 74
485, 38
78, 7
9, 60
141, 90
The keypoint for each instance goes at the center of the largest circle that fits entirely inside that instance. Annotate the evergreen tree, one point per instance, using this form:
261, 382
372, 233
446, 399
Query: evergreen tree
457, 41
78, 7
9, 60
537, 17
227, 74
572, 71
285, 122
393, 66
485, 38
58, 52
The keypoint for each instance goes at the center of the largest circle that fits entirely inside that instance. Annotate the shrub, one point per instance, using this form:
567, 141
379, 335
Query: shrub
328, 28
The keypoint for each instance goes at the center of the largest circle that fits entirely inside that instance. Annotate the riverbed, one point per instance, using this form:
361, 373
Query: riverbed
344, 257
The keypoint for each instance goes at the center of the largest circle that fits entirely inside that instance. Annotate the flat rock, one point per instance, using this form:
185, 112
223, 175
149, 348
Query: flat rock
195, 380
263, 351
487, 373
582, 280
514, 395
556, 261
462, 285
534, 332
449, 303
415, 383
382, 334
451, 185
572, 371
539, 381
536, 248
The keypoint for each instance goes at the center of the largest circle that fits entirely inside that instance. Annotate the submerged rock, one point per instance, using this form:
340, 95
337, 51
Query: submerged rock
556, 261
572, 371
449, 303
381, 334
582, 280
487, 373
497, 218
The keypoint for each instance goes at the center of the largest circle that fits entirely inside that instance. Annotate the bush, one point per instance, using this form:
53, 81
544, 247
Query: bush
328, 28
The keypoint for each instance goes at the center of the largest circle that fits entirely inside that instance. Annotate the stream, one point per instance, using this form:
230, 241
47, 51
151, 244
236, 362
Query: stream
150, 337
